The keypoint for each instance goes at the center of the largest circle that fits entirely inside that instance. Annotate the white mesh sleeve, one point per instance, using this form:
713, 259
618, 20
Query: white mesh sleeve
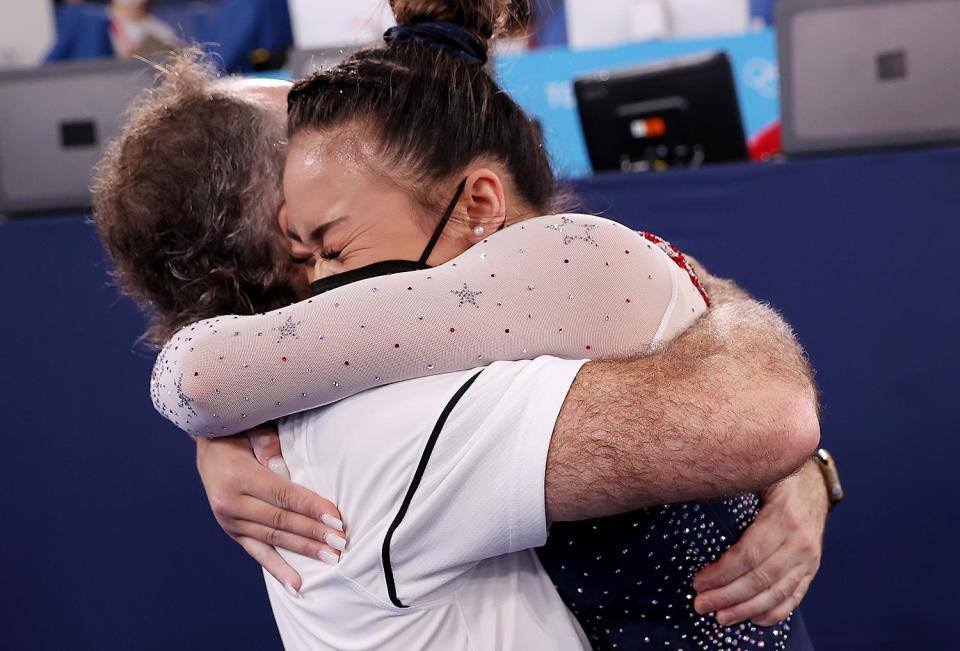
571, 286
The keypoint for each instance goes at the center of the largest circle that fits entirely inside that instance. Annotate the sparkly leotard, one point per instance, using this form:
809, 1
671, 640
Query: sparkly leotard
567, 285
627, 578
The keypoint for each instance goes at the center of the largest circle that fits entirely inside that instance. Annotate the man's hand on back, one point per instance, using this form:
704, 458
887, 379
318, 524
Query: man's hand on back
766, 574
261, 509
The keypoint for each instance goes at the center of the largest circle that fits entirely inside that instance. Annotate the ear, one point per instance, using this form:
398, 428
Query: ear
486, 206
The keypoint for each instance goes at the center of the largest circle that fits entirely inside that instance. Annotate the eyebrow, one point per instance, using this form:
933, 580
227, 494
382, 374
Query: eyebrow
316, 235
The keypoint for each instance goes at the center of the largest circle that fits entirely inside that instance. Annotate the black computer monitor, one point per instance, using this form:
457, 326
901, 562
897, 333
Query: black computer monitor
677, 113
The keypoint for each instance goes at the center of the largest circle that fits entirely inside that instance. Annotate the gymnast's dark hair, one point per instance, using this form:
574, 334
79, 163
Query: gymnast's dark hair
431, 109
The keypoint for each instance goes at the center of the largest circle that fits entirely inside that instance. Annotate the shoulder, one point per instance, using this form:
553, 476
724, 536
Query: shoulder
578, 226
516, 382
677, 257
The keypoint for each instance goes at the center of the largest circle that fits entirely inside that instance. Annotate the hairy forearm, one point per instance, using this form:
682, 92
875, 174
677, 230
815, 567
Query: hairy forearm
728, 406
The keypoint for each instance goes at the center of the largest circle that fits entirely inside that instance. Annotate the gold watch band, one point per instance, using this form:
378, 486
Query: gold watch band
828, 468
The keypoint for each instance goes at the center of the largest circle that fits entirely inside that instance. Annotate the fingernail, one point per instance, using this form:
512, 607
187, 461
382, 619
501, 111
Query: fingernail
331, 522
328, 556
293, 591
335, 541
279, 467
724, 619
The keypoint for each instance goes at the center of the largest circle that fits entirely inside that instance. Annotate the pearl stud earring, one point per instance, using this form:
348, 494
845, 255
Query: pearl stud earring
479, 231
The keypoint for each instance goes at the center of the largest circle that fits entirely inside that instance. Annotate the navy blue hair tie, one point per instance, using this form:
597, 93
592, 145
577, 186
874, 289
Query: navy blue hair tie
446, 37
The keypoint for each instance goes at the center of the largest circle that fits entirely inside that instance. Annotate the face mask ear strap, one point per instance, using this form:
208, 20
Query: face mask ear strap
443, 222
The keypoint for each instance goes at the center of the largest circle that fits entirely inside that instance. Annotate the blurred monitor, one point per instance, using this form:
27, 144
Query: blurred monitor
54, 123
860, 74
678, 113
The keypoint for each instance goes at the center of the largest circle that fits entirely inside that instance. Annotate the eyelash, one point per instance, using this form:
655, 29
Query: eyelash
324, 255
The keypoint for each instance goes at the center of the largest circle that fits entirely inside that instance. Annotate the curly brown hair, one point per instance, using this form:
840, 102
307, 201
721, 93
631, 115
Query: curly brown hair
185, 201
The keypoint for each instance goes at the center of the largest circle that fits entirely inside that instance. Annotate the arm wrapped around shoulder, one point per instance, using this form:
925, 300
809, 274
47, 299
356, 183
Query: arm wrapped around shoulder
571, 286
728, 406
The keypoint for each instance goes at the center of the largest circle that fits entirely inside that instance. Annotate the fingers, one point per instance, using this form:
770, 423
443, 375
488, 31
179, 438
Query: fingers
289, 541
254, 510
288, 496
759, 542
273, 563
781, 612
782, 595
747, 586
266, 444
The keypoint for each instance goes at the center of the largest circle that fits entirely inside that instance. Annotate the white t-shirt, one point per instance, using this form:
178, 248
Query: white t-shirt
441, 515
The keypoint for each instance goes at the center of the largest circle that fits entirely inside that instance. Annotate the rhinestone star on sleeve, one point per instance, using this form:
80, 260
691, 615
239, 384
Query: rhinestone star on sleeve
566, 223
466, 296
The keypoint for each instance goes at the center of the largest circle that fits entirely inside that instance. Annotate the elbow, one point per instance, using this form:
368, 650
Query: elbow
182, 392
794, 431
198, 395
803, 430
201, 401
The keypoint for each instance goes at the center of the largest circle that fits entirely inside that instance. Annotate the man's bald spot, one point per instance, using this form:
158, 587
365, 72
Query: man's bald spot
270, 92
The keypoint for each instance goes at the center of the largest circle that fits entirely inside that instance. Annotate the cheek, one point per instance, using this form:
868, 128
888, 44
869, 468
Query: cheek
392, 236
392, 242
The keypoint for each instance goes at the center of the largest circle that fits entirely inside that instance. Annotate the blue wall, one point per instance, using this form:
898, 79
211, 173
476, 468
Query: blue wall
107, 538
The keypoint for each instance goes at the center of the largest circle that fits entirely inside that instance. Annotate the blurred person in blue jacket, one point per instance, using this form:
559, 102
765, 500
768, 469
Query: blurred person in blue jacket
134, 30
122, 29
243, 35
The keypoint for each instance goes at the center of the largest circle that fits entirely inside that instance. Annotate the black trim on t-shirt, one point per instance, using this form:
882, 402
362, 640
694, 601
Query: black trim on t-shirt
417, 477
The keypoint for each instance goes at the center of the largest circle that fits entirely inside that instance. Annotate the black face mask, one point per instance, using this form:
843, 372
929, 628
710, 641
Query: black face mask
388, 267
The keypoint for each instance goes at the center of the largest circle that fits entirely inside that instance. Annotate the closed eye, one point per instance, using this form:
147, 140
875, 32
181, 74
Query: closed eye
295, 260
330, 255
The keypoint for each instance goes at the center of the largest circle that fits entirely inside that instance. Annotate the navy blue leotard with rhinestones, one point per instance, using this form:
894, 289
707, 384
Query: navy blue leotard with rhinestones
627, 578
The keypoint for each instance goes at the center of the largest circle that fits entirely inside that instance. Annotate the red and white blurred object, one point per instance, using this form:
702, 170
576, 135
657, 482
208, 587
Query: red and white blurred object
592, 24
27, 30
766, 143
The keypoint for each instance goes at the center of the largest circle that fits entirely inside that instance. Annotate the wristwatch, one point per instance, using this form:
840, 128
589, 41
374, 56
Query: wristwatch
830, 476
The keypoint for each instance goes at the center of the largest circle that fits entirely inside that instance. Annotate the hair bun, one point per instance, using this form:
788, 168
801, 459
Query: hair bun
486, 19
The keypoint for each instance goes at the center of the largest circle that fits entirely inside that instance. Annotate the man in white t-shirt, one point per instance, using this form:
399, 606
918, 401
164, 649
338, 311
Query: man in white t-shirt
443, 481
449, 482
